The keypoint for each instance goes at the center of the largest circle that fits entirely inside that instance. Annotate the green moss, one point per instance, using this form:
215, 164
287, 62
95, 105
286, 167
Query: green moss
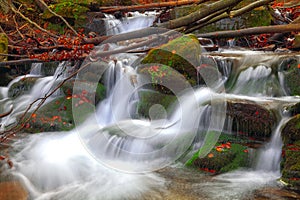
224, 161
173, 63
57, 115
227, 159
3, 46
150, 98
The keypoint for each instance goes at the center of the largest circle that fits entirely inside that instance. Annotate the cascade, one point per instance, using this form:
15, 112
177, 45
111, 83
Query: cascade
269, 158
89, 162
36, 69
134, 21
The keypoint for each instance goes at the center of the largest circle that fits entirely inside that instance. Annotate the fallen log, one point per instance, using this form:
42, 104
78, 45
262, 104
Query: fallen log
230, 14
204, 11
252, 31
151, 6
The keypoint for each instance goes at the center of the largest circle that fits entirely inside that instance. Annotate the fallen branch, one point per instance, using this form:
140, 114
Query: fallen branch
204, 11
57, 15
230, 14
252, 31
150, 6
31, 22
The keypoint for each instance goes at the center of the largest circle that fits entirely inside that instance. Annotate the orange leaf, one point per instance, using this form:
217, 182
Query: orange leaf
210, 155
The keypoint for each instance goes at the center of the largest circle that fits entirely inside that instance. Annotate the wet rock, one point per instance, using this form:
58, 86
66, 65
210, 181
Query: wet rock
173, 65
250, 119
98, 93
291, 71
152, 98
275, 193
95, 23
5, 78
57, 115
291, 152
226, 156
293, 109
12, 190
22, 86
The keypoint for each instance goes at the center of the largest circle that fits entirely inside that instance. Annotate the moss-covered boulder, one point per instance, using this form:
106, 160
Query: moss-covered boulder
173, 64
87, 87
291, 71
227, 155
21, 86
291, 152
57, 115
151, 98
250, 119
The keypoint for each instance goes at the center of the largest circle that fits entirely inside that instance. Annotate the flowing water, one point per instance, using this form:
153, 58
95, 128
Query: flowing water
117, 155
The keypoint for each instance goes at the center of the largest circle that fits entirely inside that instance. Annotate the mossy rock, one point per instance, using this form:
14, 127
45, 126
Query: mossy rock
224, 157
87, 87
21, 87
173, 63
291, 152
290, 68
291, 166
3, 46
151, 98
57, 115
251, 119
291, 130
49, 68
293, 109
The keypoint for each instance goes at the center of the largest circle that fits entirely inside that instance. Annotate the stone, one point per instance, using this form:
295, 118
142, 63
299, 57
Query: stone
290, 68
172, 67
250, 119
291, 152
21, 87
12, 190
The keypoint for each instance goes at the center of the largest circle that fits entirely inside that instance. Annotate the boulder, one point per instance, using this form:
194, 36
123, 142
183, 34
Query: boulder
250, 119
290, 68
57, 115
150, 98
227, 155
21, 86
291, 152
173, 65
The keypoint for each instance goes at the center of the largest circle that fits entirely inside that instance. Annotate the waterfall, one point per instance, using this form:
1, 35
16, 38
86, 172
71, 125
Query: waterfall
270, 155
41, 88
36, 69
134, 21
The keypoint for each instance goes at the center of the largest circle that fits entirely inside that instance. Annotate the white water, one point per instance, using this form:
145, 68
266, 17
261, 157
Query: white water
270, 156
135, 22
41, 88
36, 69
57, 166
240, 183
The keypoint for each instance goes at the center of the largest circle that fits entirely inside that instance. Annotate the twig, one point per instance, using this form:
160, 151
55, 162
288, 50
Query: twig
31, 22
57, 15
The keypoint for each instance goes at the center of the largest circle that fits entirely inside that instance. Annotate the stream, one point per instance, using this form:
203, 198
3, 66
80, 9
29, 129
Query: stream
114, 154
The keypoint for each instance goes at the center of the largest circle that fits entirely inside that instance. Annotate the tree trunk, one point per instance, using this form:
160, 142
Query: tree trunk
197, 15
252, 31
